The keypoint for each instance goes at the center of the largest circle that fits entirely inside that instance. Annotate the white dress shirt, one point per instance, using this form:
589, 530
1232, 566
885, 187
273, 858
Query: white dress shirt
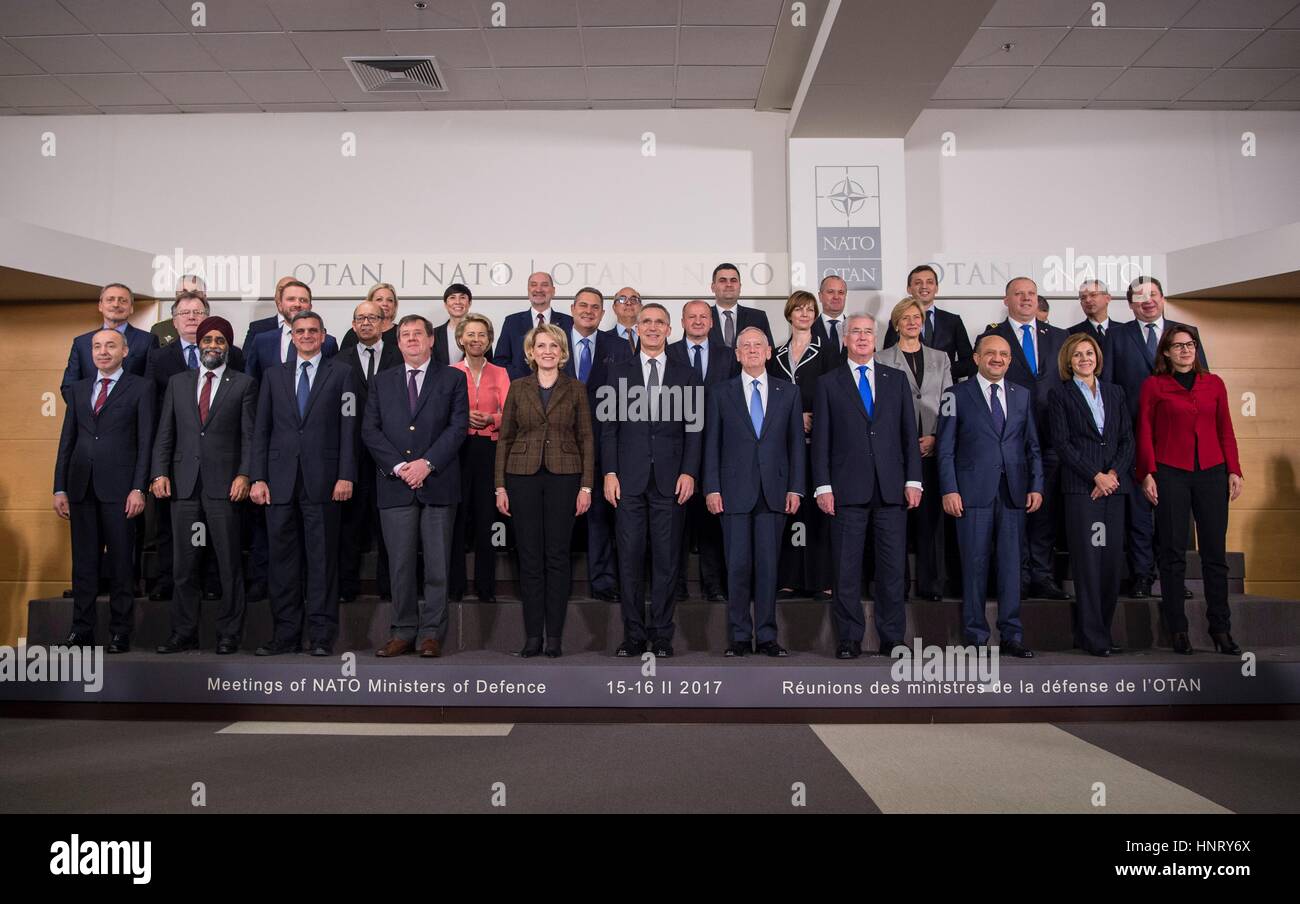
870, 365
1020, 337
662, 358
749, 390
1160, 329
286, 338
365, 358
1103, 325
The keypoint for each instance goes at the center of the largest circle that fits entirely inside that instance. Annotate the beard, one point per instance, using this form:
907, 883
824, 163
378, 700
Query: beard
213, 358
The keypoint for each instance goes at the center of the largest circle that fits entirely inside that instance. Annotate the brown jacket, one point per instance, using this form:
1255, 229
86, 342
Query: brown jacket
558, 437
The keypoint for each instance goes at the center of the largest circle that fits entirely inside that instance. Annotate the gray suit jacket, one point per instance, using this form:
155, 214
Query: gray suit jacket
936, 379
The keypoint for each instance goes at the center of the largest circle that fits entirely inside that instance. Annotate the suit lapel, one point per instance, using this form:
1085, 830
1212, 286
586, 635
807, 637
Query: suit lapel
117, 390
1081, 404
317, 385
983, 403
849, 382
1014, 337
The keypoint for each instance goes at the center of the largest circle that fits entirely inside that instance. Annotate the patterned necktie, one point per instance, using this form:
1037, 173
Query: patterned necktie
697, 365
412, 393
205, 397
370, 364
729, 329
864, 390
191, 358
1027, 344
834, 334
995, 407
631, 339
756, 410
584, 361
541, 320
304, 389
103, 394
1151, 344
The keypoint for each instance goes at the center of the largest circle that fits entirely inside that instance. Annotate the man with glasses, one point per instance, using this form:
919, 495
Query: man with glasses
1094, 299
165, 330
627, 308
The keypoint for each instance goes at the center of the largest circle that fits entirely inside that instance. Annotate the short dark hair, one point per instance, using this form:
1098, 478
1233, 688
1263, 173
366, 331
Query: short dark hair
1042, 304
718, 269
821, 286
299, 284
457, 289
415, 318
589, 290
1166, 340
307, 315
186, 296
923, 268
1133, 286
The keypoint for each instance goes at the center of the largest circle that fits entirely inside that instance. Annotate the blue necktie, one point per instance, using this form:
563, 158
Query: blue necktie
697, 364
1151, 344
1027, 343
864, 390
191, 358
755, 409
584, 362
304, 390
995, 407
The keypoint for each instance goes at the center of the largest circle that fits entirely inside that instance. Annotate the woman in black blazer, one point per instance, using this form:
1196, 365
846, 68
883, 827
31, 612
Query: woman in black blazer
1093, 435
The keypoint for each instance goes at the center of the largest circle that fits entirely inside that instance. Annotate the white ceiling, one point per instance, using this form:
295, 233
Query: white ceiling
145, 56
1151, 54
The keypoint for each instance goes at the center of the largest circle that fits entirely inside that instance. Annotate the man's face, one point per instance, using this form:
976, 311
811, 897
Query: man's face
1095, 301
457, 305
115, 305
294, 299
367, 320
923, 286
415, 343
726, 287
834, 292
653, 327
108, 349
279, 290
213, 349
1148, 304
189, 314
587, 310
861, 341
993, 358
1022, 300
308, 335
752, 351
540, 291
627, 306
387, 302
697, 318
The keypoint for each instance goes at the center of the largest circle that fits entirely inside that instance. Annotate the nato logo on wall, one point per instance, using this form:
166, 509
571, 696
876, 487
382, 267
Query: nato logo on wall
848, 224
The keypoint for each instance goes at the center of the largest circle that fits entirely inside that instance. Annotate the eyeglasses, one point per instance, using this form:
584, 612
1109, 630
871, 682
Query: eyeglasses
628, 299
367, 318
1182, 346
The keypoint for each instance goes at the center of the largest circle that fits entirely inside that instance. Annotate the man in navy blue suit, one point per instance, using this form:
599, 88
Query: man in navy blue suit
1035, 346
650, 453
990, 474
417, 417
304, 466
627, 308
271, 348
729, 315
753, 476
1094, 299
867, 470
510, 344
275, 321
591, 351
116, 305
943, 330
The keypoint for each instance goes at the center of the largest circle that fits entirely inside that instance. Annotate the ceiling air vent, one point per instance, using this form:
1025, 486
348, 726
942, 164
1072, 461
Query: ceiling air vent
380, 74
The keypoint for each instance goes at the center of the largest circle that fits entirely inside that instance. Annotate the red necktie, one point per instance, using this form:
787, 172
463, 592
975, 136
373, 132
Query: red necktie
103, 394
205, 397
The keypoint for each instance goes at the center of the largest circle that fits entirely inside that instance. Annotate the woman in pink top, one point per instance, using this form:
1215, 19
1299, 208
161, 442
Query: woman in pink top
477, 512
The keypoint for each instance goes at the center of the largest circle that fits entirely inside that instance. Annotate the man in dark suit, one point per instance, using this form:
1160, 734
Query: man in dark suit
829, 325
591, 351
1094, 299
1129, 361
417, 417
651, 414
201, 461
943, 330
116, 305
370, 355
867, 470
627, 308
753, 476
304, 466
510, 344
1035, 347
712, 363
385, 296
991, 474
729, 315
276, 321
457, 299
165, 330
99, 478
271, 348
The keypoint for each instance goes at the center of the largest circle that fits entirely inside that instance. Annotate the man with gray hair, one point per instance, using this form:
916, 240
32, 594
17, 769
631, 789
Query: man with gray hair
1094, 299
116, 305
165, 330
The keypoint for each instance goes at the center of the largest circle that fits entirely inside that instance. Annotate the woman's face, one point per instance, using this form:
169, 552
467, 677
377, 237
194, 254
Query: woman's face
546, 352
387, 302
802, 317
1083, 360
474, 340
910, 324
1182, 351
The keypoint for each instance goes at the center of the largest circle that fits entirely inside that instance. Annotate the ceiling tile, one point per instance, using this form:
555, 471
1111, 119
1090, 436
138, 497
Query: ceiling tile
546, 105
253, 52
1240, 84
326, 49
725, 45
454, 48
630, 82
720, 103
1037, 12
1139, 13
955, 104
467, 86
630, 46
1130, 105
73, 53
37, 91
139, 108
114, 89
1290, 20
1103, 46
302, 107
1032, 45
982, 82
1277, 105
705, 82
220, 108
326, 15
655, 104
14, 63
123, 16
514, 47
529, 13
1066, 83
552, 83
1235, 13
1274, 49
1196, 47
283, 87
627, 12
363, 107
461, 105
1211, 105
37, 17
345, 89
225, 15
1153, 84
1046, 104
732, 12
162, 53
194, 88
442, 14
1287, 92
60, 111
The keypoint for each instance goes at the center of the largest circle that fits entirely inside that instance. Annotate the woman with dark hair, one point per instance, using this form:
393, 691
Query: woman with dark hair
1187, 464
1093, 434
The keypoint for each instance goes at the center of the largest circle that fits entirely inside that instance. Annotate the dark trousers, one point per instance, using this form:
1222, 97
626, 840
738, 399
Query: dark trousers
164, 554
602, 563
1140, 535
1203, 494
656, 518
752, 541
887, 526
100, 526
805, 557
1040, 528
258, 546
360, 525
926, 529
703, 532
542, 506
304, 533
1094, 529
220, 522
476, 518
979, 530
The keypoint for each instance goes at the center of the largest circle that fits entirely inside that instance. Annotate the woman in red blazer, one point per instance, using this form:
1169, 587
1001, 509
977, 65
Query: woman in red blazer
1187, 463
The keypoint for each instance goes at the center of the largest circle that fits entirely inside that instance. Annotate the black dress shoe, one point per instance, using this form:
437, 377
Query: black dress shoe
887, 647
388, 597
1014, 648
737, 648
553, 650
67, 594
160, 593
1103, 652
227, 645
663, 649
606, 596
787, 594
1114, 650
931, 597
487, 598
1047, 591
176, 644
632, 648
1182, 643
823, 596
681, 596
532, 647
322, 649
271, 648
456, 597
347, 597
1141, 589
1223, 643
848, 651
121, 643
772, 648
79, 640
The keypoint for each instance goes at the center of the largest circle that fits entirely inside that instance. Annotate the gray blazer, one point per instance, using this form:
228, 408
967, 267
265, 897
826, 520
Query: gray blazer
936, 380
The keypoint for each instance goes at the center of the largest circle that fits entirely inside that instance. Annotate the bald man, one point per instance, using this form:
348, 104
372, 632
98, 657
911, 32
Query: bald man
510, 346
